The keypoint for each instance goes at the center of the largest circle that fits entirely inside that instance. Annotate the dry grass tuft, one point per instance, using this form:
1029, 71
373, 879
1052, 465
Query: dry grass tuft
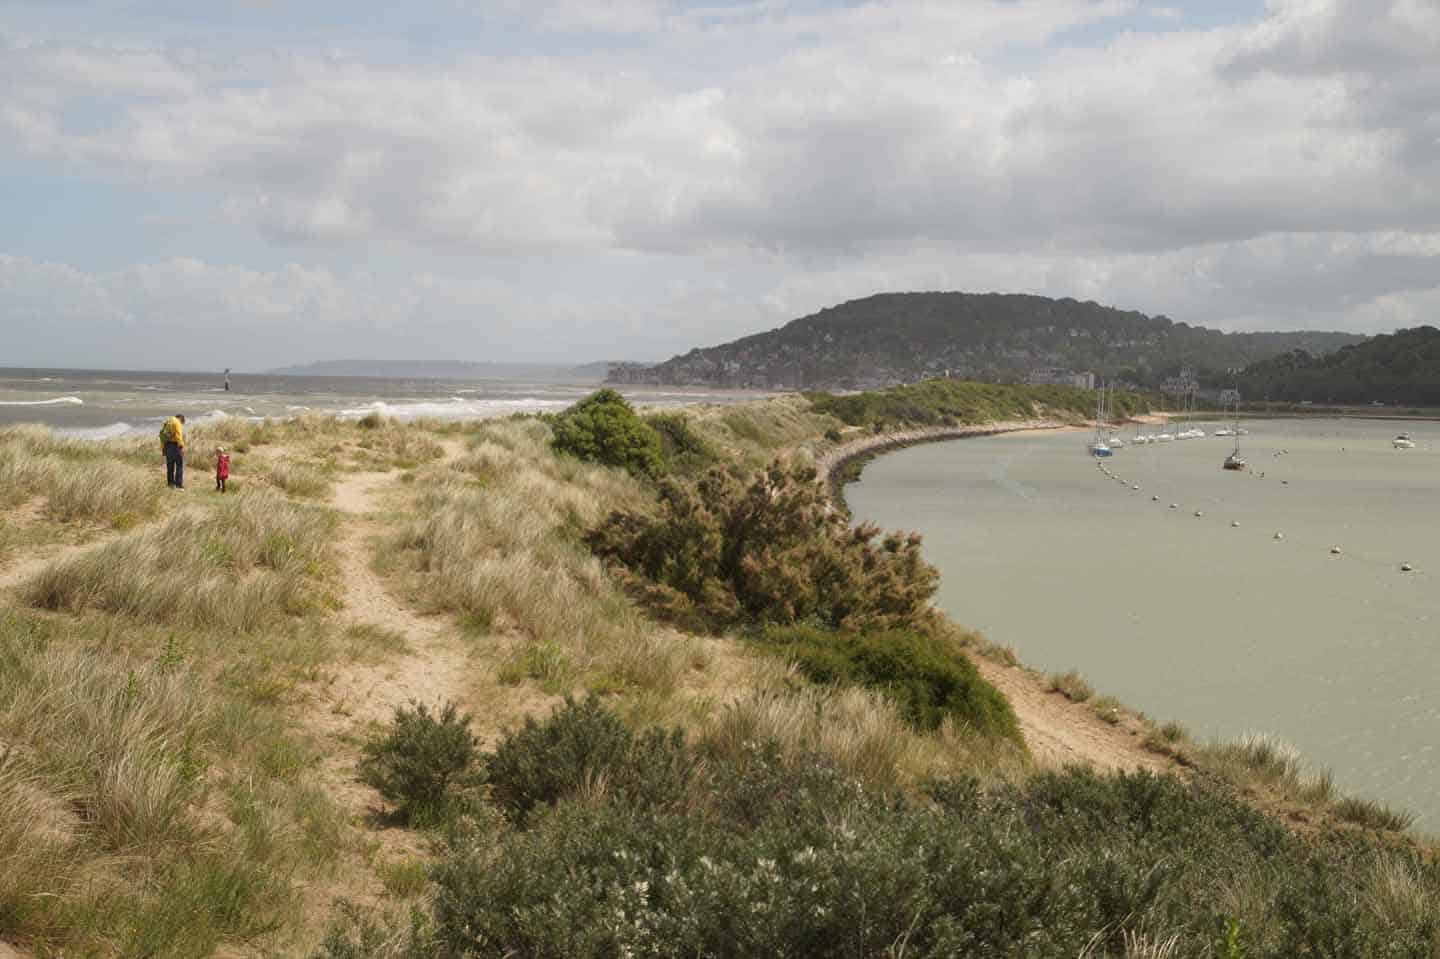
251, 560
80, 482
1072, 686
1257, 759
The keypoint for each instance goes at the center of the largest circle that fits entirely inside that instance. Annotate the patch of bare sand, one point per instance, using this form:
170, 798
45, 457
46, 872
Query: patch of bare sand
1060, 732
33, 559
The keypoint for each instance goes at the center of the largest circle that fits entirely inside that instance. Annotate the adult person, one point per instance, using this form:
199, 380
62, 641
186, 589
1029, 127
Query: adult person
172, 444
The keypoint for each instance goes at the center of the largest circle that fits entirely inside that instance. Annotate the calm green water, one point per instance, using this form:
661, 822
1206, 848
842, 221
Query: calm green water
1225, 629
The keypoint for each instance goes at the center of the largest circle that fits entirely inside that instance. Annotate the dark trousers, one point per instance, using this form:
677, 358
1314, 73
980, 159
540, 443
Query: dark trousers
174, 465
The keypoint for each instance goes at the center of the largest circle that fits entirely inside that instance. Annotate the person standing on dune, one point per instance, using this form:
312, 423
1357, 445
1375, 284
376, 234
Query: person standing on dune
172, 444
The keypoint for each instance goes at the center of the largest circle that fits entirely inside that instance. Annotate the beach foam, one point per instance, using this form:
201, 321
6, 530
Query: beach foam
57, 401
455, 408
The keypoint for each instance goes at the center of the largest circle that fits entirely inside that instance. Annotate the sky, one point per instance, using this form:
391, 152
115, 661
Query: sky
264, 182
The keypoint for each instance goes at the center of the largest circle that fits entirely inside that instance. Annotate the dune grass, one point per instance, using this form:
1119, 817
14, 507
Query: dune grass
140, 813
497, 541
79, 482
253, 559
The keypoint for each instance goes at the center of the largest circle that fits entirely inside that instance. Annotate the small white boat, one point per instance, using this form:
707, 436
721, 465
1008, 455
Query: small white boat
1404, 442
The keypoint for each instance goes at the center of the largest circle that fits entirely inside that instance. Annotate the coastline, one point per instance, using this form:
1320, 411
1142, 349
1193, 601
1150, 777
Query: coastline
832, 465
1061, 730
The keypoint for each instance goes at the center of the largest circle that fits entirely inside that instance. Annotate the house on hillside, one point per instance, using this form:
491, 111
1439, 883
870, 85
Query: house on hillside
1057, 376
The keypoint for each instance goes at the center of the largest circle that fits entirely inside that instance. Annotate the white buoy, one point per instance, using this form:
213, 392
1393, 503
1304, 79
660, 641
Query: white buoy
1198, 513
1154, 499
1235, 523
1174, 506
1279, 535
1406, 568
1136, 486
1335, 550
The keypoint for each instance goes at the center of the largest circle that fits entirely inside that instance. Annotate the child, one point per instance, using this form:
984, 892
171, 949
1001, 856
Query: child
222, 468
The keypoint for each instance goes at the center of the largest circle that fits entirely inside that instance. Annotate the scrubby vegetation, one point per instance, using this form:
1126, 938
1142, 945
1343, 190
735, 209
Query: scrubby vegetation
604, 428
956, 403
928, 679
725, 551
683, 448
769, 853
420, 760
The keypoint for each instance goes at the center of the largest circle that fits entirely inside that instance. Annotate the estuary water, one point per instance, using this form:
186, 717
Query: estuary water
1225, 628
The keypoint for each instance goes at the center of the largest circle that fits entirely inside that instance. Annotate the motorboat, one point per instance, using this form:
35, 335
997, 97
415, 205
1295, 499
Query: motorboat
1404, 442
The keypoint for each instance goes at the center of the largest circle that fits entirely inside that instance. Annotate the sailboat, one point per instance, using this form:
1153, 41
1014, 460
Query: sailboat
1235, 461
1099, 447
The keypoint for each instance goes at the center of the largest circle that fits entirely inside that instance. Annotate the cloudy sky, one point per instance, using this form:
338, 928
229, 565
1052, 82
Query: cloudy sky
193, 184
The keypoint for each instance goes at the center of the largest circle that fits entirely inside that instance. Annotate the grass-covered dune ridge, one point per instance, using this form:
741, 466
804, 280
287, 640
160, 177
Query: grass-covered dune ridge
943, 402
639, 726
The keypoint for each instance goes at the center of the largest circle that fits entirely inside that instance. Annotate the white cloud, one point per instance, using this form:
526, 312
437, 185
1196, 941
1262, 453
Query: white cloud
1283, 173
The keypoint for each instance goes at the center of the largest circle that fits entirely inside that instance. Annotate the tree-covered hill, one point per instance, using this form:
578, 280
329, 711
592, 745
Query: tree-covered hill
894, 338
1401, 368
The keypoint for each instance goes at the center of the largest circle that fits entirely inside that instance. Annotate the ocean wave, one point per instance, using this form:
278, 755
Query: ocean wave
57, 401
455, 408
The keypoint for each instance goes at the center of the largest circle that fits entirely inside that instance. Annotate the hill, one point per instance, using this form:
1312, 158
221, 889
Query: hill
1401, 368
892, 338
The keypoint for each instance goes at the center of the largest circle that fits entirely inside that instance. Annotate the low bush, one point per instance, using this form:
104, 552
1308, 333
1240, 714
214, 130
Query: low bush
420, 759
927, 679
583, 748
684, 449
722, 552
604, 428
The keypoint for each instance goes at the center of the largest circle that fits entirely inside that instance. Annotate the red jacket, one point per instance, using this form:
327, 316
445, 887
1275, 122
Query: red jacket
222, 466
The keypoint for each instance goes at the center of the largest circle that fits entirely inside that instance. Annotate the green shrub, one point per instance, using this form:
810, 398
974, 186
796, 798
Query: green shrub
585, 748
420, 758
684, 450
723, 552
926, 679
942, 402
604, 428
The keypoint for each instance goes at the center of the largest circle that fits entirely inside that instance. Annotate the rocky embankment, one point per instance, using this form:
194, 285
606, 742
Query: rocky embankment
831, 464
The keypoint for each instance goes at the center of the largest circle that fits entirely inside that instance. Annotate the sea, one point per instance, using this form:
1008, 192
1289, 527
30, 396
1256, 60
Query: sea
1205, 596
105, 404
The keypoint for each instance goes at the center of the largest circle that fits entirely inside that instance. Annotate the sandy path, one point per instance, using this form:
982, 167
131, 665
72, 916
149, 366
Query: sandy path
1060, 732
431, 669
